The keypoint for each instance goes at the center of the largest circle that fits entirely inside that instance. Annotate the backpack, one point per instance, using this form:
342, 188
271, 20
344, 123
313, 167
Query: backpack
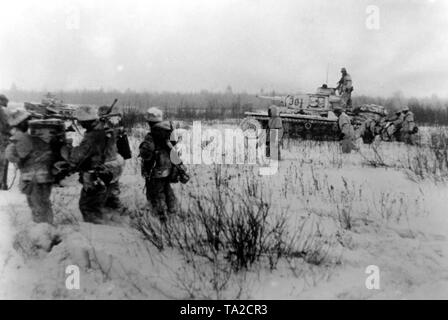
160, 135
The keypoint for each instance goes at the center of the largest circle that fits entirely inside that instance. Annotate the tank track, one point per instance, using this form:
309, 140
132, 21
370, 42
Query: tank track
305, 128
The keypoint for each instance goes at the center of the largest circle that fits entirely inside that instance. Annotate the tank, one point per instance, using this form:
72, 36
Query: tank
311, 116
50, 105
306, 116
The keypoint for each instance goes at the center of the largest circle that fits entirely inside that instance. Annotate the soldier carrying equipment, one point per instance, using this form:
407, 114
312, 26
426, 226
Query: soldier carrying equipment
119, 145
4, 136
34, 158
345, 88
49, 121
408, 127
97, 162
158, 168
117, 129
52, 132
347, 131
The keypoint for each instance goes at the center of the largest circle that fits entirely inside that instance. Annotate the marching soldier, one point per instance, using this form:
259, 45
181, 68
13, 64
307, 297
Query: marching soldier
4, 136
274, 123
347, 130
408, 127
113, 198
345, 88
157, 166
97, 163
34, 158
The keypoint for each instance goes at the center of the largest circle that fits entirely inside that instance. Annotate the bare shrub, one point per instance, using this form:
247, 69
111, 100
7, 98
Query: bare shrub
430, 160
219, 236
344, 203
309, 242
376, 159
224, 224
150, 226
202, 279
339, 203
222, 232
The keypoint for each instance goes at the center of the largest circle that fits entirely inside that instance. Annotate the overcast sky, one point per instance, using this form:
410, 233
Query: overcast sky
250, 44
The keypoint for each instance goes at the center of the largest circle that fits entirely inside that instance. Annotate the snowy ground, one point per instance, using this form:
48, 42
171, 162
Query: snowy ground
399, 223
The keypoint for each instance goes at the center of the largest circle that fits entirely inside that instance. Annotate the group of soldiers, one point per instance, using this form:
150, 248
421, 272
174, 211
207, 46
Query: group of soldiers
96, 159
401, 127
100, 164
404, 127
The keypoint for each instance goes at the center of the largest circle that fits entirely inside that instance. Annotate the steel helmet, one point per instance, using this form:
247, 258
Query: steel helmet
17, 116
274, 111
405, 108
3, 100
103, 110
154, 114
86, 113
343, 70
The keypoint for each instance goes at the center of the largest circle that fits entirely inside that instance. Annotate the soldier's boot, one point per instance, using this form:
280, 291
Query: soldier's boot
171, 200
161, 208
91, 204
155, 194
113, 200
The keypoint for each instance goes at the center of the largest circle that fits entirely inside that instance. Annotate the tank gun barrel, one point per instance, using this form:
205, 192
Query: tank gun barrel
275, 98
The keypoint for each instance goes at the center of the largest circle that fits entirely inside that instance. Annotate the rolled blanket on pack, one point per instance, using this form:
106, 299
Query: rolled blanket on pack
115, 167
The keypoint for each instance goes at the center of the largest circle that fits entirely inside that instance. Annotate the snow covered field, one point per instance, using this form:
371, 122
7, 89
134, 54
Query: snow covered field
344, 212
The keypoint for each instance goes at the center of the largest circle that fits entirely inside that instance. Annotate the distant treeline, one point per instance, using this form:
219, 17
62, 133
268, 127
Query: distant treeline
206, 105
203, 105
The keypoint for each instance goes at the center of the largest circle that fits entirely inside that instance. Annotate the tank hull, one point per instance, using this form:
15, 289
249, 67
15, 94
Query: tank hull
302, 126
